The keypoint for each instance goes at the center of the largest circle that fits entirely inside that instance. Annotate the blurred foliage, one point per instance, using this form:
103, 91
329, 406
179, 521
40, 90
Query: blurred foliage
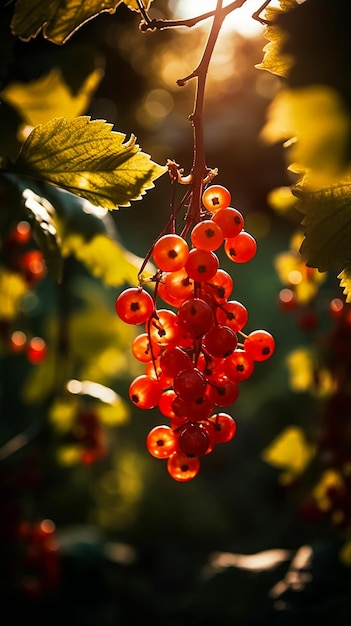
93, 531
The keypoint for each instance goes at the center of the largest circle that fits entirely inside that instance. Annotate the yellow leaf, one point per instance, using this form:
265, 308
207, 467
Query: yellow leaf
330, 479
281, 199
58, 20
49, 96
104, 258
133, 5
301, 369
315, 124
289, 451
12, 289
113, 414
274, 60
63, 413
345, 283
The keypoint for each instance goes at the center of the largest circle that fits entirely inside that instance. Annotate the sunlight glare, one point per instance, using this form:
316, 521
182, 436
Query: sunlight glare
240, 20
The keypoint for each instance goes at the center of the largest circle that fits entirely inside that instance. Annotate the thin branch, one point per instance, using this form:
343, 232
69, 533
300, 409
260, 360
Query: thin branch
157, 24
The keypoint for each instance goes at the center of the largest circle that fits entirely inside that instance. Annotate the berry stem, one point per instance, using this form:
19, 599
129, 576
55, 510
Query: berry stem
199, 169
159, 24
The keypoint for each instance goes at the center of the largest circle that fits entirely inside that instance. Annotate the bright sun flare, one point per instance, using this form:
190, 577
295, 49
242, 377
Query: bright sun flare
239, 20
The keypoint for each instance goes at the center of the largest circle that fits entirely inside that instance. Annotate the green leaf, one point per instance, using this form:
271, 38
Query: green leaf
49, 96
58, 20
88, 159
327, 224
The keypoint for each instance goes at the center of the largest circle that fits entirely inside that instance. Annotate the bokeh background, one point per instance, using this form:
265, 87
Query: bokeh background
239, 544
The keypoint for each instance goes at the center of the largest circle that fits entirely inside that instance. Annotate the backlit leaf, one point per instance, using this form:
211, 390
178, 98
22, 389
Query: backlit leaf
345, 283
316, 123
274, 60
104, 258
289, 451
327, 224
58, 20
12, 289
133, 5
301, 367
49, 97
87, 158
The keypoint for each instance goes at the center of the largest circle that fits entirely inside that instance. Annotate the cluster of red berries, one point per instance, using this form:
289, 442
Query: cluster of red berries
194, 360
89, 434
22, 256
37, 568
27, 261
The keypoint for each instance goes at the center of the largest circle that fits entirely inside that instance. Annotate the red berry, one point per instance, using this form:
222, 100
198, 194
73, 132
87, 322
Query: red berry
207, 235
220, 286
178, 285
170, 252
259, 345
134, 305
222, 391
145, 392
193, 439
241, 248
232, 314
181, 467
225, 427
22, 232
32, 266
161, 442
36, 350
165, 403
287, 300
230, 221
164, 327
189, 384
195, 317
215, 198
174, 359
18, 341
238, 366
220, 341
142, 349
201, 265
198, 409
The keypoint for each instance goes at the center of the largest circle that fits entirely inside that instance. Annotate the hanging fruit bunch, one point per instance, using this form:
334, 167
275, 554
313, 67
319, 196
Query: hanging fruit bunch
196, 353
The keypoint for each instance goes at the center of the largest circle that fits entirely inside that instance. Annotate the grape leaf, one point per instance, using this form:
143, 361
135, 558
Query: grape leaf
88, 159
49, 96
58, 20
327, 224
274, 60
